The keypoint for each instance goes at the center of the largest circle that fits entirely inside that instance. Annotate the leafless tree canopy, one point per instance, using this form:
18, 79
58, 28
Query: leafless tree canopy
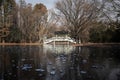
79, 14
111, 12
32, 21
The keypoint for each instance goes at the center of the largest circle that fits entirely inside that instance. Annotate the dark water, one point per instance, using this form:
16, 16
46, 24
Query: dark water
61, 62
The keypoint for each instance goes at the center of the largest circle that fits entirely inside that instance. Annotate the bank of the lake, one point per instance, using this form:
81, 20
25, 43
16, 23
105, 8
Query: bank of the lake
98, 44
81, 44
20, 44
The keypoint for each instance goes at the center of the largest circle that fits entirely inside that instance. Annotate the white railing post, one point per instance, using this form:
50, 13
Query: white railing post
54, 42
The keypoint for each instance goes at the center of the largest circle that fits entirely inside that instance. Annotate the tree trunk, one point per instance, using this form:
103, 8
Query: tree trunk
77, 40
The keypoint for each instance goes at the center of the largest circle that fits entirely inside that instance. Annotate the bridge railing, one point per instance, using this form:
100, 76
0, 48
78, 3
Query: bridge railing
58, 39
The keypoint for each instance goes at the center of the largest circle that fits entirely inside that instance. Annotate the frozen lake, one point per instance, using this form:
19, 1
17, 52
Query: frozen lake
60, 62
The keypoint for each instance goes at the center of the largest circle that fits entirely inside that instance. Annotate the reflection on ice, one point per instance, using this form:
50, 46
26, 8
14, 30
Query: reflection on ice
52, 72
83, 72
27, 67
39, 70
60, 62
58, 49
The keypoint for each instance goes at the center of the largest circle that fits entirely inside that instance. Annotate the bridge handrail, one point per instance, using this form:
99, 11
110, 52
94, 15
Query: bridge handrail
59, 39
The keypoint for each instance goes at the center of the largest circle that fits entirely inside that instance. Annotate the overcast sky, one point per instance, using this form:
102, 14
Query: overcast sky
48, 3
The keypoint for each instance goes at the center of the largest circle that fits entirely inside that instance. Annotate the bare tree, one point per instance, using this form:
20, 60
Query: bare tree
32, 21
6, 17
112, 13
26, 22
52, 22
78, 15
40, 21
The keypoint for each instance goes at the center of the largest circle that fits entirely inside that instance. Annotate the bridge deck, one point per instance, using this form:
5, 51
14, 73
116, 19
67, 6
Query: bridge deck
59, 40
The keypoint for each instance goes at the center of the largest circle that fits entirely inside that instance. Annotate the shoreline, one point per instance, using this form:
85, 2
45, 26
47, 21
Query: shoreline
98, 44
19, 44
82, 44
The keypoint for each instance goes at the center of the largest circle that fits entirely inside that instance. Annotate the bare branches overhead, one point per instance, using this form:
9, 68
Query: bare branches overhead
78, 14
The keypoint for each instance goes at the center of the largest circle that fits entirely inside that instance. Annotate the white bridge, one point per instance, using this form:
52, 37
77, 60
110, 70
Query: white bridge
59, 39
